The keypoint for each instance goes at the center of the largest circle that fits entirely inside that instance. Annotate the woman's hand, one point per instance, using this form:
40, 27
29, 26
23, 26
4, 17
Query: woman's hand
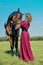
17, 27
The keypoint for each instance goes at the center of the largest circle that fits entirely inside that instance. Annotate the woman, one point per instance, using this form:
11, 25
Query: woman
25, 50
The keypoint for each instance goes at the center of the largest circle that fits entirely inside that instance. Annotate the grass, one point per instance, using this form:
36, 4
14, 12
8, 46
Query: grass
7, 59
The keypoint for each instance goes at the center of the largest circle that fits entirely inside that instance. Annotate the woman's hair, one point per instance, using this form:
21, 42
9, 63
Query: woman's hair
29, 17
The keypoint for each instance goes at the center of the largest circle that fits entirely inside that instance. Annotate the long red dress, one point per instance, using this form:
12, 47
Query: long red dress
25, 50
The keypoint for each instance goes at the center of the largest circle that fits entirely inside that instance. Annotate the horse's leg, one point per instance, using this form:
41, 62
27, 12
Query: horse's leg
16, 45
11, 44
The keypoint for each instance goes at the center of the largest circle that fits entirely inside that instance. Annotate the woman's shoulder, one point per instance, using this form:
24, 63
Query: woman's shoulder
23, 21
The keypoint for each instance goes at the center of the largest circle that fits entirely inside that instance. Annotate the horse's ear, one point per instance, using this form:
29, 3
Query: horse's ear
18, 10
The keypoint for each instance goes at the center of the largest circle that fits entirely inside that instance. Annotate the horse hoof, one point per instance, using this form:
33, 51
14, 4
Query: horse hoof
17, 54
12, 54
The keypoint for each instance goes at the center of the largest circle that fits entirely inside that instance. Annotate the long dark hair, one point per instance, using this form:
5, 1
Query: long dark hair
12, 14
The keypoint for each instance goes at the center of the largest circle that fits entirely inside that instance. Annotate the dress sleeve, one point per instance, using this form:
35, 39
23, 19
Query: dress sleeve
22, 24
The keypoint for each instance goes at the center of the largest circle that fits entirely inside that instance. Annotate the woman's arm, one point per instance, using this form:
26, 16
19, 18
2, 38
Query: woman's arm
18, 26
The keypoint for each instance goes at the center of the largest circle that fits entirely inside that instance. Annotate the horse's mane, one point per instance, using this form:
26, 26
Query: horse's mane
11, 15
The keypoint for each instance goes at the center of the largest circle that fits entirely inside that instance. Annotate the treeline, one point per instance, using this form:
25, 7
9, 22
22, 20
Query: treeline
32, 38
3, 38
36, 38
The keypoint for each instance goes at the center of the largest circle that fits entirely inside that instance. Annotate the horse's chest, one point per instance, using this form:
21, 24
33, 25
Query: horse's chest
13, 25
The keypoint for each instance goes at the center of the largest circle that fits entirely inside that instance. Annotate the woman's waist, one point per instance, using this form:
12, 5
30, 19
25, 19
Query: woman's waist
25, 30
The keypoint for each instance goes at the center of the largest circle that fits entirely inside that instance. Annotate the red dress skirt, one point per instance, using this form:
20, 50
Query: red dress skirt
25, 50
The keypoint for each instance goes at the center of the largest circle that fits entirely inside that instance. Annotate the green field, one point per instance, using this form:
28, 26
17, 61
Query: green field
7, 59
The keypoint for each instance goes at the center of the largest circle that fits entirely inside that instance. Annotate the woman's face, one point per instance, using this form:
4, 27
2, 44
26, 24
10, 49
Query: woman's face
27, 17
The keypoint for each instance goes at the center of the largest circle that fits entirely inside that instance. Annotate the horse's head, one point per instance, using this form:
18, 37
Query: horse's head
19, 14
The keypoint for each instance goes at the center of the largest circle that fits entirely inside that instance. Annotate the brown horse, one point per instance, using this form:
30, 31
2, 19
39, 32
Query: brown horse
13, 20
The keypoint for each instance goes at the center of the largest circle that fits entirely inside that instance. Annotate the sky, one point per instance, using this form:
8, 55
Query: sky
35, 7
